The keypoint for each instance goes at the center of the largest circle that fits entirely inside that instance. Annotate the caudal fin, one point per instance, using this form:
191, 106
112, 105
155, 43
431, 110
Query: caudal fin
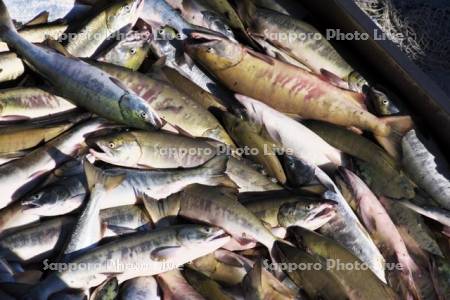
399, 126
215, 170
6, 23
95, 175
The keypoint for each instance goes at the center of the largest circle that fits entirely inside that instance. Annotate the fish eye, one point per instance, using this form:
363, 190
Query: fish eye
210, 50
36, 197
228, 29
208, 230
112, 145
133, 51
143, 115
309, 206
127, 8
385, 102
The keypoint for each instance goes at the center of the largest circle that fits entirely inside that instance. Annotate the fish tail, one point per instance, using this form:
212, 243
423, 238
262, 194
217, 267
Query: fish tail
215, 170
6, 24
246, 9
398, 127
95, 176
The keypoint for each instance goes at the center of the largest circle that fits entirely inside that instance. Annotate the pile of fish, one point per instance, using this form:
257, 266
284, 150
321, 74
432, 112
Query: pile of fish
155, 149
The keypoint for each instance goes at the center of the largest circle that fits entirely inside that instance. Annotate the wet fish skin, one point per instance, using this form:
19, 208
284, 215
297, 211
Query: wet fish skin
104, 25
263, 149
166, 47
383, 105
186, 86
39, 33
386, 174
316, 283
261, 284
18, 138
108, 290
248, 178
206, 286
159, 11
59, 198
87, 230
199, 13
175, 286
174, 107
131, 51
162, 250
12, 67
82, 83
13, 217
435, 213
32, 244
217, 206
157, 184
28, 103
223, 266
364, 285
140, 288
124, 220
382, 228
153, 150
290, 89
314, 52
291, 134
22, 175
282, 6
414, 225
426, 168
346, 229
284, 209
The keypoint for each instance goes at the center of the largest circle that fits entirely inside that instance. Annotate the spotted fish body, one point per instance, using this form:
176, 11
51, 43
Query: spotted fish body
173, 106
81, 83
308, 45
20, 176
422, 166
153, 252
282, 86
29, 102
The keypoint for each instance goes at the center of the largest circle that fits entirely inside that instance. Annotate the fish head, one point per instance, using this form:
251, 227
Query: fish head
298, 171
214, 51
381, 102
138, 113
307, 214
122, 13
118, 149
51, 201
131, 51
191, 236
216, 23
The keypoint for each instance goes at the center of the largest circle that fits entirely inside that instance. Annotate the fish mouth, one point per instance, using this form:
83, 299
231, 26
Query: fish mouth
155, 121
29, 204
203, 38
325, 213
220, 234
322, 214
100, 154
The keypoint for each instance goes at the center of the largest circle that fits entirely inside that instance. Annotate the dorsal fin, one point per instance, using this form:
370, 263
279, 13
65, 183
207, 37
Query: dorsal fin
54, 44
41, 18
